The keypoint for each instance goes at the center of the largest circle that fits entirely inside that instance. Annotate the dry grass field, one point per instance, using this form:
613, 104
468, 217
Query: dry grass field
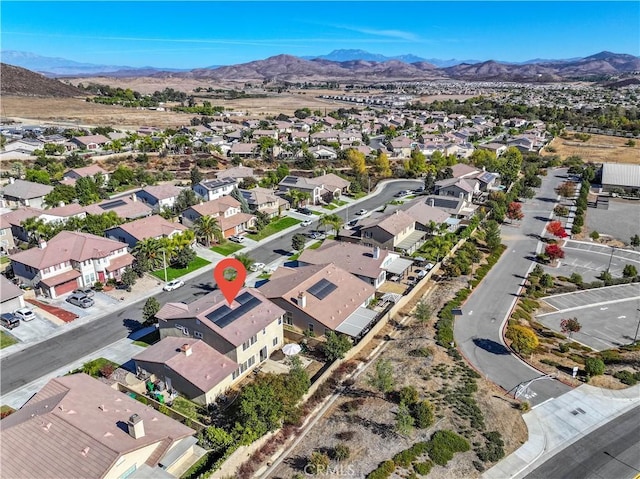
598, 149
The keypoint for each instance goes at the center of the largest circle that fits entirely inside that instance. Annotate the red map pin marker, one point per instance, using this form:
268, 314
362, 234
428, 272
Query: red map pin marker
230, 288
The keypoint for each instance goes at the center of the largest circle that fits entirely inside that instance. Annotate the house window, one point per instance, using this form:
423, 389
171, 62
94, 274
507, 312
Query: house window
279, 321
275, 341
197, 334
288, 318
264, 331
185, 331
311, 327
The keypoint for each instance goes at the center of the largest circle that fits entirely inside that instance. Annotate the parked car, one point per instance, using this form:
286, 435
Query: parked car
361, 212
306, 223
80, 300
9, 321
88, 292
421, 273
256, 267
400, 194
305, 211
236, 239
24, 314
173, 284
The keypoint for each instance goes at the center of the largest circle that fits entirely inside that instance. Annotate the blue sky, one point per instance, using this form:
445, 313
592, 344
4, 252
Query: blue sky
193, 34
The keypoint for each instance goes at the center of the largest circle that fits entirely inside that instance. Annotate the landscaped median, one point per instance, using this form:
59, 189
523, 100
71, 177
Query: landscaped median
173, 273
274, 227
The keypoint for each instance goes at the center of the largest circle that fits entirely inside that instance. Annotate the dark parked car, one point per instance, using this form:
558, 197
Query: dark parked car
305, 211
9, 321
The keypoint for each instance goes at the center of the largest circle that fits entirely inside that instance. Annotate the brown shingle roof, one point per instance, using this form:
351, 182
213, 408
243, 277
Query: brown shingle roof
354, 258
204, 368
77, 424
25, 189
394, 223
216, 207
8, 290
348, 296
162, 192
421, 212
66, 246
237, 332
16, 217
150, 227
90, 170
125, 207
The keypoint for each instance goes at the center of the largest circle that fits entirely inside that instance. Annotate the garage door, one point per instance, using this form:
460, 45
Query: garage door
66, 287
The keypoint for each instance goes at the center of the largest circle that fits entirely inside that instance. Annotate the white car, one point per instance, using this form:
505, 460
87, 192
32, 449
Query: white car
256, 267
236, 239
361, 212
173, 284
306, 223
24, 314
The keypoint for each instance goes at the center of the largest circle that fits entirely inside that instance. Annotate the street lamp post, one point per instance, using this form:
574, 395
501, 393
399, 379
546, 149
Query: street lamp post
613, 249
635, 336
164, 262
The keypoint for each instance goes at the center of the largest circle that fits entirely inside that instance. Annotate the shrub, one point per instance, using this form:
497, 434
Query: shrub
409, 395
627, 377
564, 348
576, 278
341, 452
383, 471
494, 447
107, 370
424, 352
423, 413
524, 406
610, 356
524, 340
345, 435
318, 463
423, 468
594, 366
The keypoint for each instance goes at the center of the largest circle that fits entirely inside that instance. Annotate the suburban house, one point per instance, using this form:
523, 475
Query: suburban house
189, 366
323, 152
395, 231
63, 213
322, 298
486, 180
465, 188
11, 229
73, 175
322, 188
126, 207
246, 331
265, 200
368, 264
226, 211
20, 149
23, 193
425, 216
497, 148
159, 197
620, 177
90, 142
214, 189
237, 172
455, 207
11, 297
244, 150
70, 259
401, 147
150, 227
85, 428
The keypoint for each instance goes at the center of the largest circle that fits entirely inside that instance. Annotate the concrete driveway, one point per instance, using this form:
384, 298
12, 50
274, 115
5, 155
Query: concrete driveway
34, 330
103, 303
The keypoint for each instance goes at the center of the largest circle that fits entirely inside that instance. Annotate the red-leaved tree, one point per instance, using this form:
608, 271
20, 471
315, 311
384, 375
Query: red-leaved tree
556, 229
514, 211
571, 325
554, 251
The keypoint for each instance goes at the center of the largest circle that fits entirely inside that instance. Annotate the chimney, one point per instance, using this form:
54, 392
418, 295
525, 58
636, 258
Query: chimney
134, 197
61, 203
302, 299
136, 426
11, 180
376, 252
42, 244
431, 203
186, 349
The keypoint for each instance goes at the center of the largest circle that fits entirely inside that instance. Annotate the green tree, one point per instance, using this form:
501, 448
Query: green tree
409, 395
383, 168
333, 220
185, 199
183, 257
298, 197
196, 176
215, 439
424, 414
492, 235
97, 224
593, 366
404, 420
244, 206
60, 194
87, 191
149, 252
629, 271
245, 259
151, 307
208, 229
417, 163
258, 410
423, 312
509, 165
298, 241
318, 463
122, 176
129, 277
635, 241
382, 378
335, 346
38, 176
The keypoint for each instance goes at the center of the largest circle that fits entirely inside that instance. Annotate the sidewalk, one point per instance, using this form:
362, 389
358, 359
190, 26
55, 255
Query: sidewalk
559, 422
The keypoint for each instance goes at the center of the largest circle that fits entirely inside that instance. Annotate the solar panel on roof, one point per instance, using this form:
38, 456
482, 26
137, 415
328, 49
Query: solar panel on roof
112, 204
290, 179
224, 315
322, 289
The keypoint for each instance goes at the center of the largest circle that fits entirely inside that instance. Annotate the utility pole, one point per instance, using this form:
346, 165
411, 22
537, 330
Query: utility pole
164, 261
613, 248
635, 336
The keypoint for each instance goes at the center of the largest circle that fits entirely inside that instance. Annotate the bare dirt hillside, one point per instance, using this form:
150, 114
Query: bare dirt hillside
19, 81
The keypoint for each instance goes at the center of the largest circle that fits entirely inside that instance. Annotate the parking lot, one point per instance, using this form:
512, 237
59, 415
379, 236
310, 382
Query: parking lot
590, 259
609, 316
611, 222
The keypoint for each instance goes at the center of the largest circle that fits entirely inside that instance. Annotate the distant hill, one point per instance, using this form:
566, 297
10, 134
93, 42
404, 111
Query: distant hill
22, 82
350, 55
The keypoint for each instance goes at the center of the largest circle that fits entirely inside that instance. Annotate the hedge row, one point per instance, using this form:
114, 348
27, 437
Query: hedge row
444, 325
581, 206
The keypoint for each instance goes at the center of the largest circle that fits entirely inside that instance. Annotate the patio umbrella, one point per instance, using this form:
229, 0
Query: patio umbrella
291, 349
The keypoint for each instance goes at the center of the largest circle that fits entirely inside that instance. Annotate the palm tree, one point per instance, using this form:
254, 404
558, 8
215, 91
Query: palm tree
207, 228
298, 197
332, 220
183, 240
245, 259
149, 251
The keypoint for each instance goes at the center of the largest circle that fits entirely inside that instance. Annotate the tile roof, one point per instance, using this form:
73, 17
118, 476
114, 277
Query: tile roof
66, 211
237, 332
85, 140
214, 184
461, 170
394, 223
355, 258
236, 172
124, 207
8, 290
216, 207
258, 196
329, 179
90, 170
235, 220
162, 192
347, 297
61, 278
78, 426
424, 214
120, 262
66, 246
25, 189
465, 184
204, 368
153, 226
16, 217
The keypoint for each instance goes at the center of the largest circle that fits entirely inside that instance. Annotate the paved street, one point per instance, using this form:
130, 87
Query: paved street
611, 451
51, 354
478, 331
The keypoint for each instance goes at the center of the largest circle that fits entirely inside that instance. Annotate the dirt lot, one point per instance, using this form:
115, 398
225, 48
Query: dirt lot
369, 418
598, 149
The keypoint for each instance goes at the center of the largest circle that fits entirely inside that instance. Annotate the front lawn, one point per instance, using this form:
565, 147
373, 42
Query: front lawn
317, 213
315, 245
4, 259
357, 196
227, 248
274, 227
173, 273
330, 206
6, 340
